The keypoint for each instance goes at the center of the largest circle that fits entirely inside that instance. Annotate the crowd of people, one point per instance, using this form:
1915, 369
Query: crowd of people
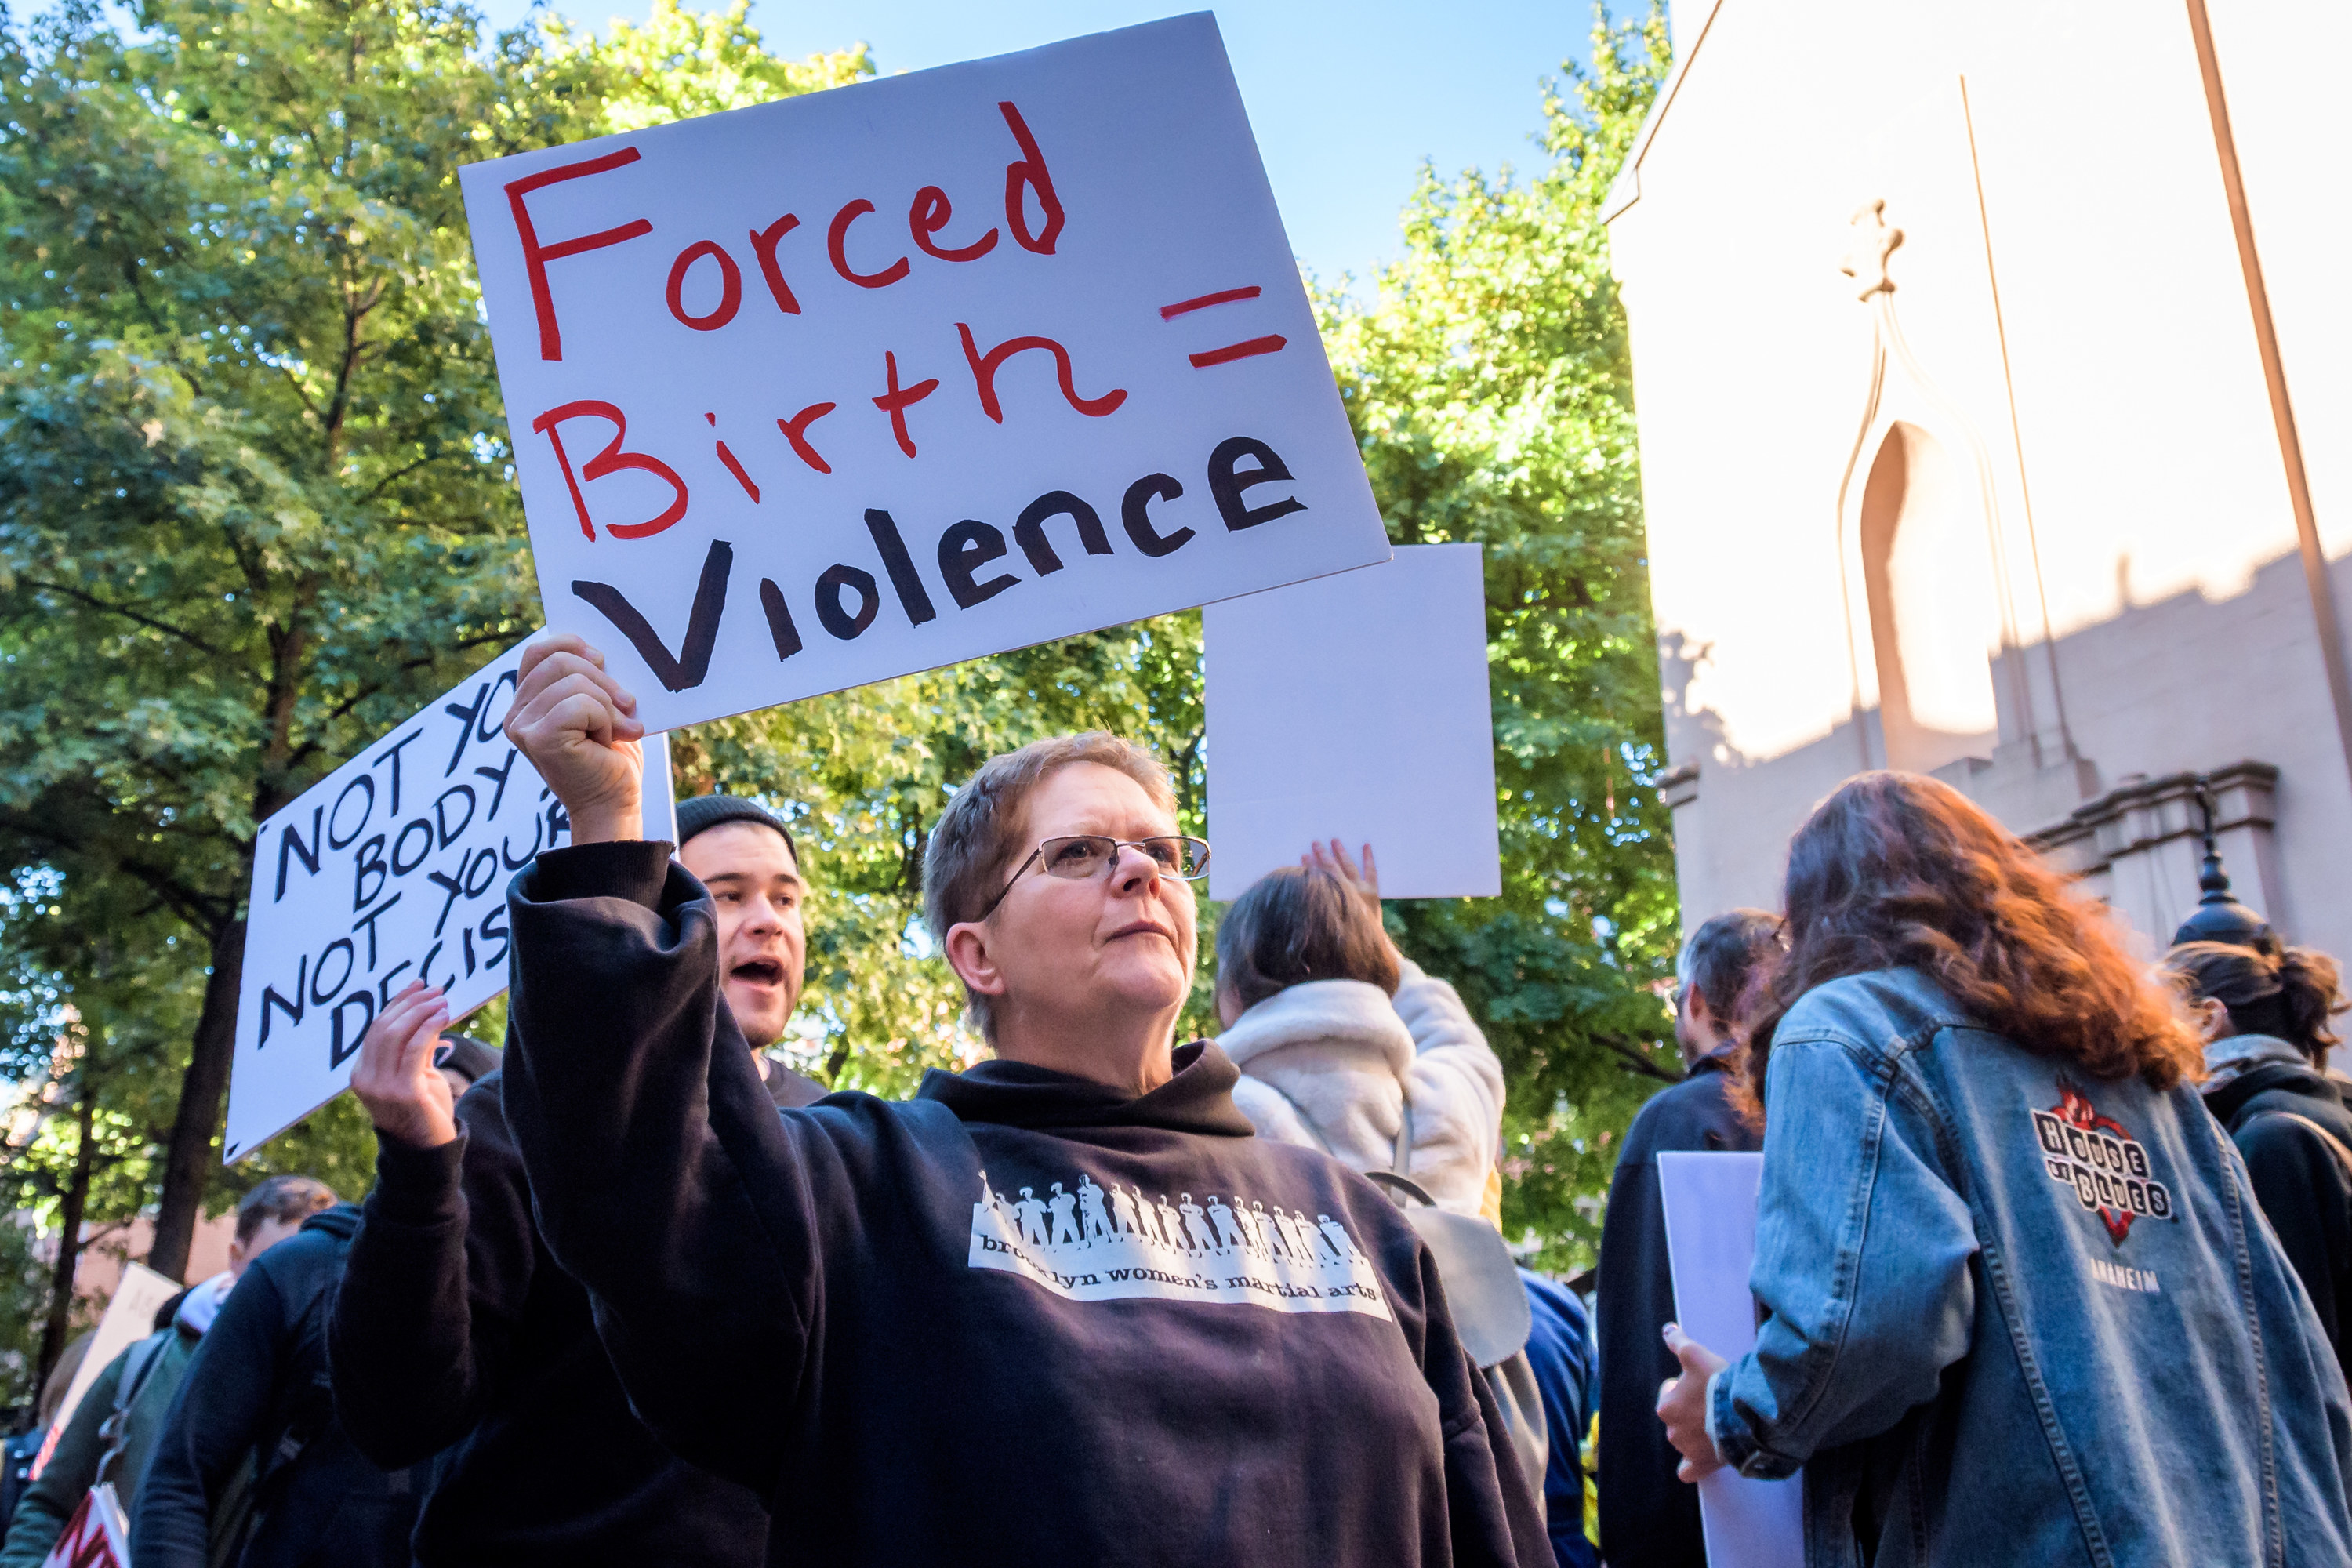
2051, 1258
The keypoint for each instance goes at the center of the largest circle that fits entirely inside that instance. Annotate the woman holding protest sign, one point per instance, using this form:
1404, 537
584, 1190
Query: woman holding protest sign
1061, 1307
2021, 1306
1346, 1044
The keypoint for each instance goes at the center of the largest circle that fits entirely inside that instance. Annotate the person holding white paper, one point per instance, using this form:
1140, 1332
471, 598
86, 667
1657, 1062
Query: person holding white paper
844, 1305
1348, 1046
1648, 1518
2019, 1304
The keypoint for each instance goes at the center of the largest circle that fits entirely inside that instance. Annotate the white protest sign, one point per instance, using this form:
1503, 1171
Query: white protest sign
1355, 707
879, 379
130, 1317
1710, 1208
96, 1536
392, 868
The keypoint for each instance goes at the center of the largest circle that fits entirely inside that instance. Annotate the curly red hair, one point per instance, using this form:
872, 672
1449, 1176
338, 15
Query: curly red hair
1899, 871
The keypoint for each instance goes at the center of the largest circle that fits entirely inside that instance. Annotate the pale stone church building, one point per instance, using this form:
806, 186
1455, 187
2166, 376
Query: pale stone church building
1993, 362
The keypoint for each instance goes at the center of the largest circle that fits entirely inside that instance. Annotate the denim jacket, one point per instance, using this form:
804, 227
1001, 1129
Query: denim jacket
2018, 1314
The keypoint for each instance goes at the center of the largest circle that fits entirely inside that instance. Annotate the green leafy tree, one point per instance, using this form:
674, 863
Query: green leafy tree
1490, 388
256, 505
681, 64
255, 496
83, 1003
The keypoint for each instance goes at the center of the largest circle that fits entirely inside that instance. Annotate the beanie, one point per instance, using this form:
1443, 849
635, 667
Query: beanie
466, 1056
705, 812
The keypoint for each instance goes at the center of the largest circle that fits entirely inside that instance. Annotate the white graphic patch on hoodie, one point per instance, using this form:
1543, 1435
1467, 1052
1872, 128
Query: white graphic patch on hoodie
1093, 1243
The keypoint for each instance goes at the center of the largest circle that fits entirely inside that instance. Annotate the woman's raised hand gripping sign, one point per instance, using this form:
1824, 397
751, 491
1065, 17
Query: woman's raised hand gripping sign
579, 728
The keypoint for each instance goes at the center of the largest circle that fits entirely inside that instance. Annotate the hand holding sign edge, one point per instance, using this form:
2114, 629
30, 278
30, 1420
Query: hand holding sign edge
579, 728
406, 1097
1682, 1404
1363, 880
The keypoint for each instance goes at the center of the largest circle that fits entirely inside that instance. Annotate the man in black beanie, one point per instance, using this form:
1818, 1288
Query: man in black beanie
744, 854
464, 1061
455, 1329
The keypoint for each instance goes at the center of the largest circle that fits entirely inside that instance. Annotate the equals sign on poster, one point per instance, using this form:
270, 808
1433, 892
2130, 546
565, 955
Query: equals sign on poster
1231, 351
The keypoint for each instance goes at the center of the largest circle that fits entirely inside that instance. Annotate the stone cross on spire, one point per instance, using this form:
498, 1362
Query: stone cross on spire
1873, 242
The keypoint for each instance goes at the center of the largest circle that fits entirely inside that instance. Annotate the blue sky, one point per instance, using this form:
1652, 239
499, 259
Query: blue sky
1347, 95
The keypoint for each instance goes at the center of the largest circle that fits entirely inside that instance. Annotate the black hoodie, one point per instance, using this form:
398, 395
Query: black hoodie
1648, 1518
2301, 1182
454, 1329
258, 1387
1022, 1319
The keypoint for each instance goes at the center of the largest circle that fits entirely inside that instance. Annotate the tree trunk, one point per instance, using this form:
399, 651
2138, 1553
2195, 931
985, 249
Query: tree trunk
76, 1201
188, 1159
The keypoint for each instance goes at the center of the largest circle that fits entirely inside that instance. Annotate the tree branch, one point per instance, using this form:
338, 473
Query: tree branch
127, 613
296, 383
1637, 1059
403, 472
199, 909
343, 709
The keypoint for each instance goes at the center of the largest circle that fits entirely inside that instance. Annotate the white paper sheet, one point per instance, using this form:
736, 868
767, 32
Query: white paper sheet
1356, 707
1710, 1209
392, 868
699, 327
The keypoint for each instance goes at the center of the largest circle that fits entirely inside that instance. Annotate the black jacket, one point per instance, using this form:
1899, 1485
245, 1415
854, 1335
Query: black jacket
455, 1329
1649, 1519
1022, 1319
2301, 1182
258, 1387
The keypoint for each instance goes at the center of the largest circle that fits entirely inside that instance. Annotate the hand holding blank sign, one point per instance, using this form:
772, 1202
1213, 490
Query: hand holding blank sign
1681, 1403
579, 728
405, 1095
1364, 881
1335, 858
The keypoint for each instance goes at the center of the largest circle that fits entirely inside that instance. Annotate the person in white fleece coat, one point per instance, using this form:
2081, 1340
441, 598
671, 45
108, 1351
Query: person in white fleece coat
1340, 1037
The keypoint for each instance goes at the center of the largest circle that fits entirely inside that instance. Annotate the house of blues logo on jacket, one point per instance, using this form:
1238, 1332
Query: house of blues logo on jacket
1095, 1243
2097, 1156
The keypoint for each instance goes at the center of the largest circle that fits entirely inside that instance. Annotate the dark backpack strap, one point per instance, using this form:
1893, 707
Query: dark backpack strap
1395, 1183
2335, 1145
138, 1362
302, 1414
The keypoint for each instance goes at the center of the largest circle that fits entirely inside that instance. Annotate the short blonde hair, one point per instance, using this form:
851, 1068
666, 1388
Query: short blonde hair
979, 832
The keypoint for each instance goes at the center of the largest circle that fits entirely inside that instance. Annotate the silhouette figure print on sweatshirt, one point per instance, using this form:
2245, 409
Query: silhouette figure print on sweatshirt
1093, 1241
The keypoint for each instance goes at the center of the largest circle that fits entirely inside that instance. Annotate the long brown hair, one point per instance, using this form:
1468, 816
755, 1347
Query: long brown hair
1897, 871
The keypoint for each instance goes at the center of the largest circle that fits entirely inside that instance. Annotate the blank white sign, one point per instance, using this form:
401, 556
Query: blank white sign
1355, 707
1710, 1207
130, 1318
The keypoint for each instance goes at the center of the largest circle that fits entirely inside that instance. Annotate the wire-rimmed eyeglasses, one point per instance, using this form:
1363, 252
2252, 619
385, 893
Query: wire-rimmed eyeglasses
1085, 855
